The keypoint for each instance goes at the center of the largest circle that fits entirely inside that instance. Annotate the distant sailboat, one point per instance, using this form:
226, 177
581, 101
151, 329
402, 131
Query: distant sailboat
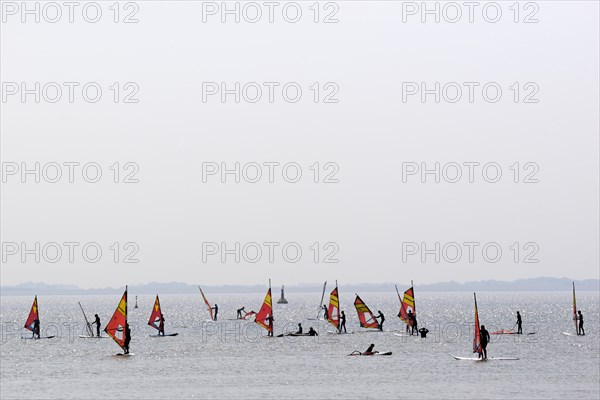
117, 326
157, 320
210, 310
407, 303
30, 323
333, 311
365, 316
265, 315
282, 300
320, 307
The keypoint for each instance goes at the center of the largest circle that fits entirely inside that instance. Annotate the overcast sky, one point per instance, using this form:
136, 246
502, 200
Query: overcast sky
366, 61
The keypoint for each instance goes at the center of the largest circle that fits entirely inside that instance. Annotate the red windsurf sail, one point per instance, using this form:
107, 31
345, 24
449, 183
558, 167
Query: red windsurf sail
575, 311
116, 326
333, 312
477, 336
265, 314
33, 315
365, 316
407, 303
210, 310
155, 316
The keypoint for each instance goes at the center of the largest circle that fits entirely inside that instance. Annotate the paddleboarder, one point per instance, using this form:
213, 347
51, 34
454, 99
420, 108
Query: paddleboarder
580, 318
127, 339
342, 323
97, 323
216, 308
485, 339
382, 317
239, 312
36, 328
519, 324
312, 332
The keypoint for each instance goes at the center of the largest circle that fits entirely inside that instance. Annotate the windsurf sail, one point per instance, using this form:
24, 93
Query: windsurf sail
333, 312
210, 310
116, 326
87, 323
407, 303
265, 314
33, 315
249, 313
477, 335
575, 311
155, 316
365, 316
320, 309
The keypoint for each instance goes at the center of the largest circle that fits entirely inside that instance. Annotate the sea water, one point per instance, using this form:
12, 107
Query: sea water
234, 360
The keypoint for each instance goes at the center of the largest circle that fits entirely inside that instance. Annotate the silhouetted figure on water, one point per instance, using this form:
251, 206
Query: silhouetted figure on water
484, 340
382, 317
580, 318
519, 324
312, 332
161, 325
269, 321
325, 313
370, 350
127, 339
239, 312
342, 323
216, 308
423, 332
299, 329
97, 323
36, 328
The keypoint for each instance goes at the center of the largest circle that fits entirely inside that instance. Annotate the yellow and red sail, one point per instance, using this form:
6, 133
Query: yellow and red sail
155, 316
265, 315
407, 303
333, 312
365, 316
115, 328
477, 333
33, 315
210, 310
575, 310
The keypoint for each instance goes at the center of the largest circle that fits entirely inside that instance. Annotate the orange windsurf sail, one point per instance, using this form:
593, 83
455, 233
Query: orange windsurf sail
365, 316
575, 311
210, 310
477, 336
33, 315
265, 315
407, 303
333, 312
155, 316
116, 326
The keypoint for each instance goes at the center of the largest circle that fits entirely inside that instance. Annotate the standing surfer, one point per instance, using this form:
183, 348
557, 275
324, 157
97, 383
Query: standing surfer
36, 328
239, 312
342, 323
216, 308
97, 323
580, 318
269, 321
519, 324
299, 329
415, 325
409, 323
485, 339
161, 325
380, 316
127, 338
325, 313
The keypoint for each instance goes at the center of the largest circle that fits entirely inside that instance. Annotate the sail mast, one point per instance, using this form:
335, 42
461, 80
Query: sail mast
87, 323
476, 332
575, 310
412, 286
322, 297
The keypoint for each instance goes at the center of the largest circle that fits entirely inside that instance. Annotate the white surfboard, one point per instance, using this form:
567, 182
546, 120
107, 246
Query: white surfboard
124, 355
489, 358
92, 337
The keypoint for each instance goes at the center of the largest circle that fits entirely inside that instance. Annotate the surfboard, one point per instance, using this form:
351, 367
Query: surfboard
92, 337
489, 358
124, 355
165, 335
42, 337
358, 353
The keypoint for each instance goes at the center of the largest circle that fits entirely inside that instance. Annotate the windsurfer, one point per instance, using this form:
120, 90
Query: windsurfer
325, 313
239, 312
127, 338
415, 325
409, 321
580, 318
36, 328
269, 321
312, 332
216, 308
519, 323
485, 339
342, 323
97, 323
382, 317
161, 325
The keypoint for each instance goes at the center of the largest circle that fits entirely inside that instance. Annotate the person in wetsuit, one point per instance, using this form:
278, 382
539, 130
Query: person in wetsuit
36, 328
299, 329
410, 320
161, 325
485, 339
312, 332
342, 323
97, 323
127, 339
382, 317
325, 313
519, 324
216, 308
423, 332
269, 321
370, 350
580, 318
239, 312
415, 325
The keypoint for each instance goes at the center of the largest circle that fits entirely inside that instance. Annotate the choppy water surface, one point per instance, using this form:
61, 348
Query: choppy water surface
232, 359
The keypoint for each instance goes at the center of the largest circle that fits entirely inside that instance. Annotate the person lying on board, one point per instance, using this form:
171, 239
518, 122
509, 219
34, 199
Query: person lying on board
312, 332
36, 328
580, 318
423, 332
239, 312
519, 324
380, 315
370, 350
342, 323
216, 308
97, 323
485, 339
299, 329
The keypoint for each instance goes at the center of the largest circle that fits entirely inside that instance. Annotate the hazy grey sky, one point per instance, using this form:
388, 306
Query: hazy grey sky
366, 61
